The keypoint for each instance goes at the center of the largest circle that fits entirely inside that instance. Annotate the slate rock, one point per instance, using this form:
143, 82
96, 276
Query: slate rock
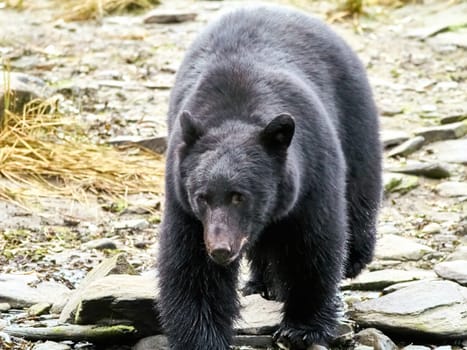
359, 346
120, 299
23, 89
452, 189
159, 342
391, 138
387, 229
392, 247
398, 286
430, 170
453, 270
452, 151
433, 310
401, 183
166, 16
132, 224
376, 339
99, 244
155, 342
4, 307
156, 144
433, 22
431, 228
443, 132
416, 347
377, 280
117, 264
408, 147
459, 254
21, 291
450, 38
51, 345
453, 118
390, 110
258, 315
39, 309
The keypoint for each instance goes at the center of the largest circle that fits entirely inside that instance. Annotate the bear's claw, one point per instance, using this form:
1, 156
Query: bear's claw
289, 338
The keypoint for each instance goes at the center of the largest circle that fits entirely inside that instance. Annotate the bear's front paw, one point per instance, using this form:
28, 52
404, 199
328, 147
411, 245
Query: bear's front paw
300, 338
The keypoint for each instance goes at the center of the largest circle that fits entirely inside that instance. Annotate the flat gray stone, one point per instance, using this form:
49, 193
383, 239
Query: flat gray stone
452, 189
120, 299
430, 170
443, 132
408, 147
258, 315
433, 21
166, 16
155, 342
24, 88
21, 291
132, 224
456, 38
377, 280
398, 286
392, 247
433, 309
431, 228
4, 307
99, 244
453, 151
159, 342
400, 183
453, 270
391, 138
110, 266
416, 347
376, 339
454, 118
459, 254
39, 309
51, 345
157, 144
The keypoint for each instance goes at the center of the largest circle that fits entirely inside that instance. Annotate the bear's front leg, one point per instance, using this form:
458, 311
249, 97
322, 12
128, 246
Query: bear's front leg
198, 300
310, 267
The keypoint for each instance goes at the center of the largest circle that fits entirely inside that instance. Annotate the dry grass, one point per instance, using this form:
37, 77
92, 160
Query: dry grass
355, 8
44, 154
80, 10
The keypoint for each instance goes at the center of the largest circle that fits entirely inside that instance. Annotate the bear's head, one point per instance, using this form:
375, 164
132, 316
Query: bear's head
235, 179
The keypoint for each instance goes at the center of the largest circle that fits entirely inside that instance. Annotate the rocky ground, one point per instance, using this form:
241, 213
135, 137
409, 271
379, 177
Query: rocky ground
114, 75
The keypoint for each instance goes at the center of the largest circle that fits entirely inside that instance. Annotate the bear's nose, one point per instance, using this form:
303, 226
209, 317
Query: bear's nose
221, 255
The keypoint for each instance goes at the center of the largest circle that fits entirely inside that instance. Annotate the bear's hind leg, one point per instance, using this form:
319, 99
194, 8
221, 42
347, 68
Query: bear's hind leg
362, 217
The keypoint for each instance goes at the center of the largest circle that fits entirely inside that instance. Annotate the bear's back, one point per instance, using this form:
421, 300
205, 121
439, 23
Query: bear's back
273, 38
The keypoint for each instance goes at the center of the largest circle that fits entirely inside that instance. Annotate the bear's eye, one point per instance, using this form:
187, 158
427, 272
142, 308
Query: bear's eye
237, 198
202, 199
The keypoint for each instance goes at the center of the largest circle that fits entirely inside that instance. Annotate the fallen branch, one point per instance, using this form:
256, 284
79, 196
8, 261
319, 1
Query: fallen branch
90, 333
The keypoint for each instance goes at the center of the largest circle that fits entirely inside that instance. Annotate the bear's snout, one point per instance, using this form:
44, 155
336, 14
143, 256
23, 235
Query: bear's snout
222, 246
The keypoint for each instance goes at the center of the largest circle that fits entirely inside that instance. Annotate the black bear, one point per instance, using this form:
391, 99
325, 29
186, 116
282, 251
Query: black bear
273, 152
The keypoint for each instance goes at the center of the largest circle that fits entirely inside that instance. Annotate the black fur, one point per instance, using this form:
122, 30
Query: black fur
273, 140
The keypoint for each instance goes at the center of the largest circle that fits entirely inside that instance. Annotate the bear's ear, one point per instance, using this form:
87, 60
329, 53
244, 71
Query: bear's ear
277, 135
191, 131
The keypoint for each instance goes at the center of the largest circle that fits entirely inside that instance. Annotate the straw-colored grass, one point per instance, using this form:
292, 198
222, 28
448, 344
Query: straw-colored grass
80, 10
43, 153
